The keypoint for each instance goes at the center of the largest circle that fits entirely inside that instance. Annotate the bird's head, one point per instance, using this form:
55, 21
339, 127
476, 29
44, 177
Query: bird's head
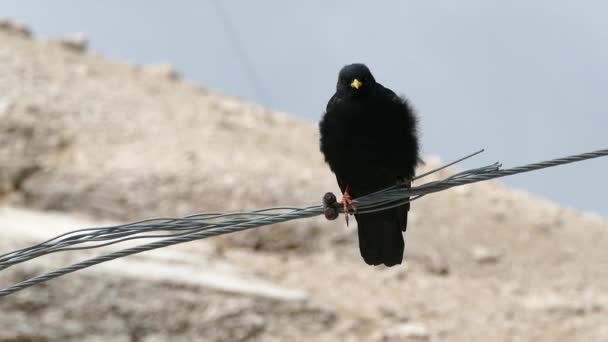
355, 79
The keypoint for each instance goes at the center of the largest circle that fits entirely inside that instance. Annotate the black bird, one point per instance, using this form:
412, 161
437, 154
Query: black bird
369, 139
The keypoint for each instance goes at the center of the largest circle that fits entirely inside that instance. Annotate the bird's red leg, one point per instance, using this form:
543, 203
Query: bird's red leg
347, 203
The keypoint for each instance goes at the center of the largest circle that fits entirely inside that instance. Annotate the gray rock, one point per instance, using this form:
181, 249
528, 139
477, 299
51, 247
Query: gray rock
15, 27
77, 41
484, 255
164, 70
407, 332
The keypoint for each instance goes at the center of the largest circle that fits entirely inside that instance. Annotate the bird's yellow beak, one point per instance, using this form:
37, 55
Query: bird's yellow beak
356, 84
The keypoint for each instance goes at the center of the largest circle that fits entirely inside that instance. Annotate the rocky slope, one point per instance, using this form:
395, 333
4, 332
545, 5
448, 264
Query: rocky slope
84, 135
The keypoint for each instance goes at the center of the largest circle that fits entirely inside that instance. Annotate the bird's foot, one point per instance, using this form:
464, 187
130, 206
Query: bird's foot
331, 205
347, 204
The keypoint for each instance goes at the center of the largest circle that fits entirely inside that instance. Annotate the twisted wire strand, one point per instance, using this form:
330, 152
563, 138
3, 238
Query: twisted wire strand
120, 233
200, 226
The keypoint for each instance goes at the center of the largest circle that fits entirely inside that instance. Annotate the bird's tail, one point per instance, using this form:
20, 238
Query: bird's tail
380, 236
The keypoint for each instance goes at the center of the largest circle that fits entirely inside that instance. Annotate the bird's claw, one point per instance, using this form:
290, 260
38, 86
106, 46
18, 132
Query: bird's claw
331, 206
347, 204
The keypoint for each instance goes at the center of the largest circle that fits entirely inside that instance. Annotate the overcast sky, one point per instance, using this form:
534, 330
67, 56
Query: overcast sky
526, 80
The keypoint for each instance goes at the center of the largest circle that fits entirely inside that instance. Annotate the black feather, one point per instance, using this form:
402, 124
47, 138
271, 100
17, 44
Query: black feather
369, 139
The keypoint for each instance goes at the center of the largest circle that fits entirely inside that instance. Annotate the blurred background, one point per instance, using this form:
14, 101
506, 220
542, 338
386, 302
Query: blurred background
103, 130
524, 80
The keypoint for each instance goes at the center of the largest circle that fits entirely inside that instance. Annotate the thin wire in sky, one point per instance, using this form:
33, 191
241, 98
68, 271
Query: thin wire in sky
236, 42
